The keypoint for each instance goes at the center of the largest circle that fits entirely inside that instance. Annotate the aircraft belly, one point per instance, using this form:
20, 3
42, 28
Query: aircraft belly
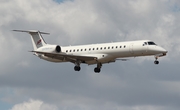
101, 58
100, 61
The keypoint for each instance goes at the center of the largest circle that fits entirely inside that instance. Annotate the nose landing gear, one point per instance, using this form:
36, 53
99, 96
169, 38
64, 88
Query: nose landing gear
156, 61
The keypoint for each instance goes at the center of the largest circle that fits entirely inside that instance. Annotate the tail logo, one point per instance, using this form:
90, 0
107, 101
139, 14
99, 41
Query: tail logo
39, 41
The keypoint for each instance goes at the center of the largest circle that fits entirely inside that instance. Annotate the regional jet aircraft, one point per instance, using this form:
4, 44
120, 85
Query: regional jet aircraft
95, 53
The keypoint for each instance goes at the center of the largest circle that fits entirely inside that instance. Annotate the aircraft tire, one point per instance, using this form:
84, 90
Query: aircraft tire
97, 70
156, 62
77, 68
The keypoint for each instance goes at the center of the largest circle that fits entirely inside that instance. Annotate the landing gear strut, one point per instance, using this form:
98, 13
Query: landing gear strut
98, 68
156, 61
77, 66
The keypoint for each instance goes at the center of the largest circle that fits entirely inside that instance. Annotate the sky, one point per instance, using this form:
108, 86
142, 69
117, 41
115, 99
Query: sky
27, 82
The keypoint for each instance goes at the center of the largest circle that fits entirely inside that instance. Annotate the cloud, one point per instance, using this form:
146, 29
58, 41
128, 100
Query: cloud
133, 85
34, 105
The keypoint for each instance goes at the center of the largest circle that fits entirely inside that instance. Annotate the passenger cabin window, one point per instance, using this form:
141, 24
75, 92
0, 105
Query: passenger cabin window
101, 48
93, 48
124, 46
151, 43
116, 46
104, 47
120, 46
66, 50
81, 49
108, 47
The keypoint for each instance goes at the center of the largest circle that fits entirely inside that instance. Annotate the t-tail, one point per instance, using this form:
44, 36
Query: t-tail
36, 37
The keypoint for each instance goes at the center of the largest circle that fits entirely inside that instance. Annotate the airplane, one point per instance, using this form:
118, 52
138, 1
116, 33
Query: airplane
93, 53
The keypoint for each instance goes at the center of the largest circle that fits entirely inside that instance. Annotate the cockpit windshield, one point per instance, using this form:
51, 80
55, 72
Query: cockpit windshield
151, 43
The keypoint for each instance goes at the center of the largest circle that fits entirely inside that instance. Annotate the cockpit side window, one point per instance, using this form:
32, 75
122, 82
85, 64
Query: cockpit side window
151, 43
145, 43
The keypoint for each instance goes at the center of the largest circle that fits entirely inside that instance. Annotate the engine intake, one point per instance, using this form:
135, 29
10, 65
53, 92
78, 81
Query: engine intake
58, 49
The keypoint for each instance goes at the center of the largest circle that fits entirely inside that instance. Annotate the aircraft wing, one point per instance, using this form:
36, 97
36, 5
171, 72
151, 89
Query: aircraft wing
66, 57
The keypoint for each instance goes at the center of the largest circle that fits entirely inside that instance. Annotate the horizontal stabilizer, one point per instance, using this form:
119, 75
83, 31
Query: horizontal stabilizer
31, 31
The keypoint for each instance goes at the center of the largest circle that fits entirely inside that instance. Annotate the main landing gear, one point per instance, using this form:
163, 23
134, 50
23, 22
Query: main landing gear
98, 68
77, 66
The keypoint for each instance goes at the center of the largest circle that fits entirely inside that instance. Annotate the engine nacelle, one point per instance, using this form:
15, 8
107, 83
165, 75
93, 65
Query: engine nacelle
50, 48
58, 49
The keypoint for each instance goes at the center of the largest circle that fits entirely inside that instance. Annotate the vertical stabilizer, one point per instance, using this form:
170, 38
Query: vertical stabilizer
36, 37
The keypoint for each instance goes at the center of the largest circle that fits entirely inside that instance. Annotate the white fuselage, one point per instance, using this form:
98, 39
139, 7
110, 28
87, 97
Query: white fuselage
109, 52
94, 53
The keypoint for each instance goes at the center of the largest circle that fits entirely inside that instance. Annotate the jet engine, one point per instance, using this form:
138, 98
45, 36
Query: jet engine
50, 48
58, 49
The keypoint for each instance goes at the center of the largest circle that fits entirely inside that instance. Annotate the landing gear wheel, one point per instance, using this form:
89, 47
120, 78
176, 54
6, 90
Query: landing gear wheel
156, 62
97, 70
77, 68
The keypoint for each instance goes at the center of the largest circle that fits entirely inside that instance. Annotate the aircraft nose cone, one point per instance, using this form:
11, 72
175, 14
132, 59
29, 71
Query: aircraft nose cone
158, 50
162, 50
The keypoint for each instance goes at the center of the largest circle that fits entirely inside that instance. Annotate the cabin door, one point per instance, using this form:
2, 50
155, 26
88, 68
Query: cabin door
131, 50
145, 48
